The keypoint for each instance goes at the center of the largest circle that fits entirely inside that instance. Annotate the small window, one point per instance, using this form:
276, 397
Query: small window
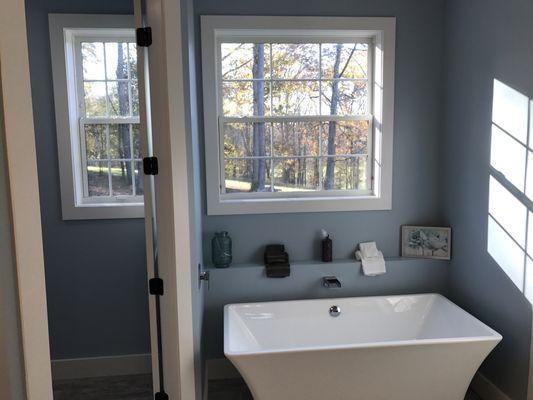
99, 143
293, 115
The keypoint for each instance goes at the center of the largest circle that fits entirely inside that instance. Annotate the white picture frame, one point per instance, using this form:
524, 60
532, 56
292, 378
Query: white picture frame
426, 242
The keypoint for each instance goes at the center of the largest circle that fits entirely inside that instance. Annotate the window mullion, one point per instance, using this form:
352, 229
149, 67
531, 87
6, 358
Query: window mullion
104, 80
109, 172
291, 157
83, 158
370, 156
270, 82
133, 182
110, 120
79, 80
320, 79
248, 80
107, 106
370, 78
320, 134
272, 166
271, 96
296, 118
222, 164
128, 66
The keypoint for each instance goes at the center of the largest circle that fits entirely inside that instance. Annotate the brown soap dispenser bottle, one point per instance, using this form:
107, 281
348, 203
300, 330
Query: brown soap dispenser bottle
327, 247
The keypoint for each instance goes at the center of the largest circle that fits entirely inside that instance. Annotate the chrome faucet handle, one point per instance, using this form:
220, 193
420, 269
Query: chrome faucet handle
331, 282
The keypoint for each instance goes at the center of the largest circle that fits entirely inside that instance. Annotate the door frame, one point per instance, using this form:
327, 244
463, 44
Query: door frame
24, 193
174, 196
172, 189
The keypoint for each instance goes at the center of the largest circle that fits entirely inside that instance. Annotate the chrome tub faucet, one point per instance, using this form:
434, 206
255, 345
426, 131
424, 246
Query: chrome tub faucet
331, 282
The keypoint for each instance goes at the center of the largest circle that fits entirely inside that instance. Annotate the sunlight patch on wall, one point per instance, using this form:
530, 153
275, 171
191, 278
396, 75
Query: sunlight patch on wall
510, 221
505, 251
508, 156
510, 111
508, 211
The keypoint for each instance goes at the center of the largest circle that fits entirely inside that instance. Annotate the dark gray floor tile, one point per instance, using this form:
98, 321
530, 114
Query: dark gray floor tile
139, 387
131, 387
472, 396
227, 389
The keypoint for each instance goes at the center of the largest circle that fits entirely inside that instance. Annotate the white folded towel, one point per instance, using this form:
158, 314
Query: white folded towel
372, 259
369, 249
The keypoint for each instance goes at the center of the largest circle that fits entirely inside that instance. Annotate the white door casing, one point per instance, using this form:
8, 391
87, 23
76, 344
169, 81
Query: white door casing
166, 120
25, 208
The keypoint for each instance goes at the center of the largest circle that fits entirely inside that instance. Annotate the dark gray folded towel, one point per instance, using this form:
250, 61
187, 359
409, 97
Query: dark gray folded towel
275, 253
272, 258
276, 261
280, 270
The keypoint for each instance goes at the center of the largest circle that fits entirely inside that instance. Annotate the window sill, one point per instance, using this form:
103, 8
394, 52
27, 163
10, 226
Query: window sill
104, 211
298, 205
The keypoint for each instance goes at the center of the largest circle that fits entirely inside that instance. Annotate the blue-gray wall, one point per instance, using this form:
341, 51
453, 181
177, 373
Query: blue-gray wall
418, 126
95, 269
486, 39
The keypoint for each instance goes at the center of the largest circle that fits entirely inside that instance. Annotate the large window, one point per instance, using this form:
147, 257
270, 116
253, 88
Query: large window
98, 117
293, 116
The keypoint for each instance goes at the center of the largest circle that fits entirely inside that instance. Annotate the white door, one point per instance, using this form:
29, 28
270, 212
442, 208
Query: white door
168, 234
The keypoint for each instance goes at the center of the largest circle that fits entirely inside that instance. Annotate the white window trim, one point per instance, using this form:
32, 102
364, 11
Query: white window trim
64, 29
382, 31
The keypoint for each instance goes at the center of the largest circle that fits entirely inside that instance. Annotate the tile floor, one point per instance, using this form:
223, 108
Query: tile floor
236, 389
139, 387
130, 387
228, 389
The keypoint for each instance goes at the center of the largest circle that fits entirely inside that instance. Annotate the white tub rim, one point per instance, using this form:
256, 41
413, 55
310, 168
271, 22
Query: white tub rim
492, 335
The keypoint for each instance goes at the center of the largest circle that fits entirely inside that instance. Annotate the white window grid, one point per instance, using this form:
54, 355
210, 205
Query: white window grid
321, 118
107, 120
135, 162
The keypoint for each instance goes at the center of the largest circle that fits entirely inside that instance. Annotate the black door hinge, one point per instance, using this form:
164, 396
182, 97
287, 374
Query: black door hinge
155, 286
150, 166
161, 396
143, 36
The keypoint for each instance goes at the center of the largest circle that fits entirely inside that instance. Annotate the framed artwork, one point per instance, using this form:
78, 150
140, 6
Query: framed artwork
426, 242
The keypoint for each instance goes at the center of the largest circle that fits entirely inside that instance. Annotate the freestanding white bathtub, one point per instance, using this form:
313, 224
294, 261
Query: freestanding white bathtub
414, 347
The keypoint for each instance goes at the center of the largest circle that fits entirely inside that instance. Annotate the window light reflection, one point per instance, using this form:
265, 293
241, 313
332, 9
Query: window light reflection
510, 222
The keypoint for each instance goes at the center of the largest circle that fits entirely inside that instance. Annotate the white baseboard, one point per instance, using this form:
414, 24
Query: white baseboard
77, 368
487, 390
221, 368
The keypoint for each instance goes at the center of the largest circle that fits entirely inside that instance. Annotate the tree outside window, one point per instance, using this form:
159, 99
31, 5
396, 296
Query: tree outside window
296, 116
